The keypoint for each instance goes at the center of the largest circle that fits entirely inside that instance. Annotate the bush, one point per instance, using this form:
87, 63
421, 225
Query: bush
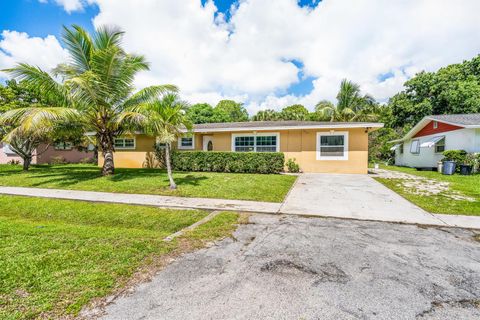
58, 160
458, 156
238, 162
87, 160
14, 162
292, 165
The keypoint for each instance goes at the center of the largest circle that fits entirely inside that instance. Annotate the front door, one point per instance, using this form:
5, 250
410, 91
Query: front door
207, 143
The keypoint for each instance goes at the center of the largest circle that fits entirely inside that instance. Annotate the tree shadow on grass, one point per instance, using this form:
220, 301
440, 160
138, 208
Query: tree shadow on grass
67, 176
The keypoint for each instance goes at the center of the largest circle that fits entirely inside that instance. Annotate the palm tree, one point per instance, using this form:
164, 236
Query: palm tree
266, 115
351, 105
163, 119
96, 86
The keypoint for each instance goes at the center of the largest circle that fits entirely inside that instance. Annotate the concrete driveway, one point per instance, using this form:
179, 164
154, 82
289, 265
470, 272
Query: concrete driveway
291, 267
352, 196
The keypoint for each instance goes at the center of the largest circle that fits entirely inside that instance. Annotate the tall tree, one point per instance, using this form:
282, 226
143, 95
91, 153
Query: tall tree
294, 112
201, 113
230, 111
163, 119
351, 105
266, 115
452, 89
97, 85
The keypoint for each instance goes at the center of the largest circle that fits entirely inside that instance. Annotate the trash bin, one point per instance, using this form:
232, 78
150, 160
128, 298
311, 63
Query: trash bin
449, 167
465, 170
440, 166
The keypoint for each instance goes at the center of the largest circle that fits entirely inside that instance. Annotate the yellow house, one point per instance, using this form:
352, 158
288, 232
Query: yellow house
331, 147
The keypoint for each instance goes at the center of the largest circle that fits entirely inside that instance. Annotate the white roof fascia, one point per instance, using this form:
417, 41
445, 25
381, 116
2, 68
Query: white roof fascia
353, 125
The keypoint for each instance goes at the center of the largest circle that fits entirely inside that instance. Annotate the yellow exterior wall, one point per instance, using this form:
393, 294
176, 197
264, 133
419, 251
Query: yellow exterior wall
299, 144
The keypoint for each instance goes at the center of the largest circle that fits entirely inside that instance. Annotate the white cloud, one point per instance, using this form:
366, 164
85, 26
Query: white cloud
70, 5
15, 47
248, 56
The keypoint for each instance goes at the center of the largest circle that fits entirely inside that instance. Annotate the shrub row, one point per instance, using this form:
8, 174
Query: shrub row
239, 162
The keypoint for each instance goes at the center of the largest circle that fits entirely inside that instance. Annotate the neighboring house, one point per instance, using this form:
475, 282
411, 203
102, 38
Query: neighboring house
423, 146
340, 147
63, 150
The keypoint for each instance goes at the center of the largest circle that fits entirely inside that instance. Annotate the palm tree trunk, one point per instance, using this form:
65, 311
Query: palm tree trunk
108, 164
169, 167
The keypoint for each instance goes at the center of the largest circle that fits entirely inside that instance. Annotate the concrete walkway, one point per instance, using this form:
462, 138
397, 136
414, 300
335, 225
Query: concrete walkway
144, 199
327, 195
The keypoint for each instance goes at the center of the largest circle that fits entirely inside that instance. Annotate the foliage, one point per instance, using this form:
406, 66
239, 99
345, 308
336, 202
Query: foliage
292, 165
201, 113
14, 95
160, 154
351, 105
294, 112
471, 159
379, 140
238, 162
267, 115
454, 89
230, 111
57, 160
455, 155
163, 119
87, 160
241, 186
96, 87
225, 111
14, 162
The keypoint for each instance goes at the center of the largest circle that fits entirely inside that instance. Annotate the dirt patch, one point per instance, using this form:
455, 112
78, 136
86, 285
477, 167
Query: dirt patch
422, 186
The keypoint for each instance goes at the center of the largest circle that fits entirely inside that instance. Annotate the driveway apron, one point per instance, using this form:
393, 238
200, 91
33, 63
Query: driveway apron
352, 196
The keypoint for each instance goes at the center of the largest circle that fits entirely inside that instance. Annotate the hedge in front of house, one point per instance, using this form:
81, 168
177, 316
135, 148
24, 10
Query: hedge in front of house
237, 162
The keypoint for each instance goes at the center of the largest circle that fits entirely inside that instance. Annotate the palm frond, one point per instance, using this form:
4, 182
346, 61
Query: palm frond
54, 92
107, 36
79, 44
149, 94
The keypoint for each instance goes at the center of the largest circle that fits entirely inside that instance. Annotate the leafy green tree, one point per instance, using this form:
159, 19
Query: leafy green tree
15, 95
163, 119
96, 87
266, 115
200, 113
351, 105
230, 111
452, 89
294, 112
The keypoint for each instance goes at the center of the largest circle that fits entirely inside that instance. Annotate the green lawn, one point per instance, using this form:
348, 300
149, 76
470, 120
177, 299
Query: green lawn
257, 187
465, 185
57, 255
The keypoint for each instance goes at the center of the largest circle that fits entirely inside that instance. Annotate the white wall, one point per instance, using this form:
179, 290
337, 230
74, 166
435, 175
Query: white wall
463, 139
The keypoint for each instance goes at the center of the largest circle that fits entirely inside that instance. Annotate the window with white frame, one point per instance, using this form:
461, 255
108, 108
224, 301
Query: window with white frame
332, 146
265, 142
63, 146
440, 146
401, 148
435, 124
124, 143
415, 147
186, 142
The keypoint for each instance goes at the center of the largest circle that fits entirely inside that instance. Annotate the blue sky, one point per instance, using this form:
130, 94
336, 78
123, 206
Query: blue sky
41, 19
272, 54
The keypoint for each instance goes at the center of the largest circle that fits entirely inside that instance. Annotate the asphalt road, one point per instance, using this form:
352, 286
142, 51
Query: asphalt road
312, 268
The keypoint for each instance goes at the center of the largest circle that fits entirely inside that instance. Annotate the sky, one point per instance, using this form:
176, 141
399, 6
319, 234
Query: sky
267, 54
